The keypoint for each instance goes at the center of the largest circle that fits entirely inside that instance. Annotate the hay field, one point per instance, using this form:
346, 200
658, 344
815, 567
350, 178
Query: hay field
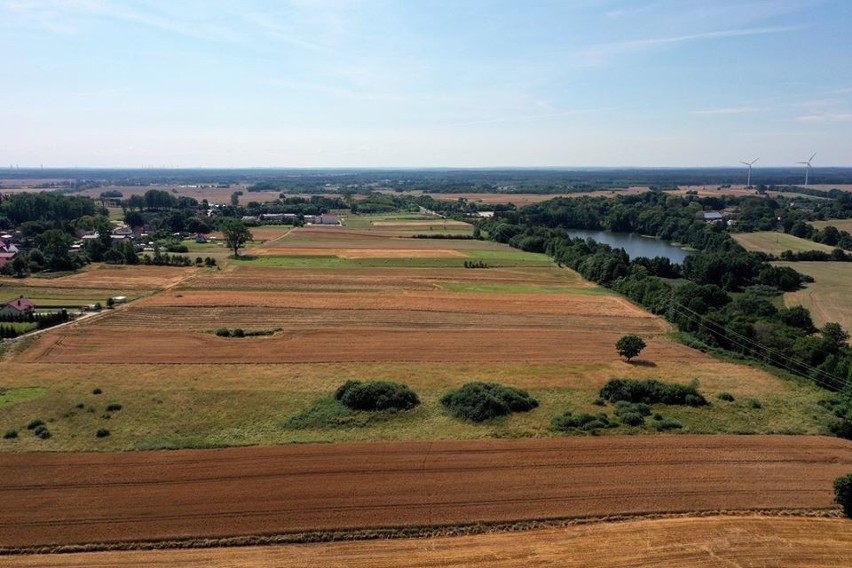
704, 542
842, 224
773, 242
828, 297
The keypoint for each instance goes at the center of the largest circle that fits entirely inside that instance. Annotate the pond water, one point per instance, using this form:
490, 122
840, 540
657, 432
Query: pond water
634, 244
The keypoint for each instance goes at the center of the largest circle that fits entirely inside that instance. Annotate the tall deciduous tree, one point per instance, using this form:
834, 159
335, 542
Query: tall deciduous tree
236, 234
630, 346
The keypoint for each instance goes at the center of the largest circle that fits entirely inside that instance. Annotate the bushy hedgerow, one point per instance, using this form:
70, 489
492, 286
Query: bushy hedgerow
586, 422
843, 493
632, 413
483, 401
376, 395
651, 391
664, 425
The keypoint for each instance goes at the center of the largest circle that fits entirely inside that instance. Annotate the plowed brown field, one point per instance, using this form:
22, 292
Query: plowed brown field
97, 344
664, 543
79, 498
378, 279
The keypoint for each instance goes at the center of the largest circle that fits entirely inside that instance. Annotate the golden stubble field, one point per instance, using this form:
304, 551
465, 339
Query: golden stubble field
706, 542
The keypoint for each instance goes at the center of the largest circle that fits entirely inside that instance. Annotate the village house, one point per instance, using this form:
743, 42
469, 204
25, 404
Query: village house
17, 307
5, 258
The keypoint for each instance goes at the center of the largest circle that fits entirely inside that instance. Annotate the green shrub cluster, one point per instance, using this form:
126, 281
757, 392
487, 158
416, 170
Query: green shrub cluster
239, 332
843, 493
475, 264
376, 395
480, 401
726, 396
632, 413
841, 407
586, 422
651, 391
102, 433
39, 428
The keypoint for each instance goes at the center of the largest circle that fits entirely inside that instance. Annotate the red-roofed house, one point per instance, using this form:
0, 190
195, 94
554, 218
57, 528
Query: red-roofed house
18, 307
6, 257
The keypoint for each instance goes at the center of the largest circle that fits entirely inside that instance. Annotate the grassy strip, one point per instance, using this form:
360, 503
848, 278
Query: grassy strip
22, 394
308, 537
525, 289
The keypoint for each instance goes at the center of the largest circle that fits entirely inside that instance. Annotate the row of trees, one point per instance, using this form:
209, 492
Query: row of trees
748, 323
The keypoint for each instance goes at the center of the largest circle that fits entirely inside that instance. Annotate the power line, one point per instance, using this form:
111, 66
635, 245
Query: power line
790, 363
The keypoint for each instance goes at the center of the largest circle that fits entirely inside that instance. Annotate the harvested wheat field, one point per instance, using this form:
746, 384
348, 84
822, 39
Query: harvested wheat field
109, 277
376, 279
85, 498
705, 542
472, 303
97, 344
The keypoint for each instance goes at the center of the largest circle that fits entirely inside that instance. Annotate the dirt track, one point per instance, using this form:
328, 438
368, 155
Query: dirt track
79, 498
664, 543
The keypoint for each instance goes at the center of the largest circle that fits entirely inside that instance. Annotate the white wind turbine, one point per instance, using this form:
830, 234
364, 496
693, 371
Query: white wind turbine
749, 164
808, 167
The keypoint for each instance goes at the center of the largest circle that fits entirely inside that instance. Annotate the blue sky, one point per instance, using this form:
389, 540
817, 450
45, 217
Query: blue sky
410, 83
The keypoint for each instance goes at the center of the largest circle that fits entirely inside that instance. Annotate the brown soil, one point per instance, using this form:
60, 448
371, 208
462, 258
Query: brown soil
469, 302
53, 499
664, 543
582, 340
378, 279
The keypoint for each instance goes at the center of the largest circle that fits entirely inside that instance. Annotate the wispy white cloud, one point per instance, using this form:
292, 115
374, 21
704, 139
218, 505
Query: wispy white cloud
279, 31
597, 54
827, 117
732, 110
67, 16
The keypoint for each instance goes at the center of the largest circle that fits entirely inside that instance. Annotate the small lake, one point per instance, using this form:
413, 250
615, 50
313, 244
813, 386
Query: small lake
634, 244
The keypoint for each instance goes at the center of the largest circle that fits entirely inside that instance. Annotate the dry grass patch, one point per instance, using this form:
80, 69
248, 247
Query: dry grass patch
111, 277
773, 242
842, 224
703, 542
827, 297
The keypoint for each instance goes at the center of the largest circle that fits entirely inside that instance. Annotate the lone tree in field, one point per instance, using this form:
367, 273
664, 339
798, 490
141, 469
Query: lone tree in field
236, 234
630, 346
843, 493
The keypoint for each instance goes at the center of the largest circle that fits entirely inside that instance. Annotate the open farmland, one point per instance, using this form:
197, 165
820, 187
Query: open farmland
773, 242
108, 498
828, 296
94, 284
523, 322
705, 542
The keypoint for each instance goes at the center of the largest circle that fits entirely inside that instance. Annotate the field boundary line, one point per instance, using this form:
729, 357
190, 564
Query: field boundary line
409, 532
